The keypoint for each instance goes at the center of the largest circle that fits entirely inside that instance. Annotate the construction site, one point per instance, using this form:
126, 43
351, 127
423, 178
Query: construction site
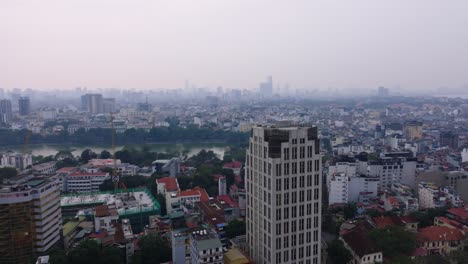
134, 204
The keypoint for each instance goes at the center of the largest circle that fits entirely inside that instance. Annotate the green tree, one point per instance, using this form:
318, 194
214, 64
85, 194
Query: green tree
105, 155
426, 218
338, 253
89, 251
393, 240
63, 154
154, 249
350, 211
235, 228
87, 155
459, 257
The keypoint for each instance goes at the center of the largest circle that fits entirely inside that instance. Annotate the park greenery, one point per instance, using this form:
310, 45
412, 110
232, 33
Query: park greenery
102, 136
338, 252
393, 241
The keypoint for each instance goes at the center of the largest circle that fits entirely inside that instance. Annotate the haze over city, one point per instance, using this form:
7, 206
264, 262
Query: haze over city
409, 46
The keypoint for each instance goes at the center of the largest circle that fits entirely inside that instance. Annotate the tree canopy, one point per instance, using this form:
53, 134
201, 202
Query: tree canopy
153, 249
338, 253
393, 240
235, 228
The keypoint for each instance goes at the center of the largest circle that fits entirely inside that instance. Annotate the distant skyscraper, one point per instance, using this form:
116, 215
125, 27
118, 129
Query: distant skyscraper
383, 92
108, 105
92, 103
24, 106
449, 139
266, 88
5, 111
283, 172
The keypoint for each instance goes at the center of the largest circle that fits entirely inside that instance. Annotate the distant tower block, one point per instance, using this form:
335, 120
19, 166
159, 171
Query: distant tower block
222, 186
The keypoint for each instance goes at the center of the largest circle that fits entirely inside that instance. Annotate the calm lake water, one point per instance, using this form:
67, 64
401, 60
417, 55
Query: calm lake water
192, 149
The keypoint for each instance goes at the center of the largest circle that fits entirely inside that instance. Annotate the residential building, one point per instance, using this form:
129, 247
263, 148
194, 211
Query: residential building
413, 130
222, 186
429, 196
179, 247
108, 105
205, 247
338, 191
441, 239
15, 160
84, 181
361, 246
449, 139
30, 218
106, 219
283, 183
392, 170
6, 113
92, 103
169, 166
24, 106
47, 168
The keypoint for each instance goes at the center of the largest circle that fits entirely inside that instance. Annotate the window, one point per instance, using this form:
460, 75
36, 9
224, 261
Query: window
286, 227
302, 140
301, 238
294, 153
309, 223
294, 168
301, 167
309, 180
316, 179
301, 152
286, 169
278, 170
301, 210
278, 214
294, 141
309, 209
301, 181
293, 211
286, 198
278, 199
278, 229
286, 213
316, 208
317, 166
293, 226
286, 184
286, 153
286, 241
301, 196
278, 184
308, 237
316, 193
309, 151
294, 183
309, 195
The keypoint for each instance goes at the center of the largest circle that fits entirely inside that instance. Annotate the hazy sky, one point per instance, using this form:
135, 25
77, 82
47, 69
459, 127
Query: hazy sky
419, 44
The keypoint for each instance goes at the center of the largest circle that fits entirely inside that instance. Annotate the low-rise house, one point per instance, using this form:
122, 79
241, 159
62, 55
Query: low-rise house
441, 239
361, 246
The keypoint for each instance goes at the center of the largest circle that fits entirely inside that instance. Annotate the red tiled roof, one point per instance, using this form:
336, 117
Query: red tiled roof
233, 165
449, 221
381, 222
460, 212
440, 233
189, 193
204, 195
227, 199
359, 241
170, 183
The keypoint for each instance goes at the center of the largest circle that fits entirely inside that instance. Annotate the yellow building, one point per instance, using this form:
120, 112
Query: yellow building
234, 256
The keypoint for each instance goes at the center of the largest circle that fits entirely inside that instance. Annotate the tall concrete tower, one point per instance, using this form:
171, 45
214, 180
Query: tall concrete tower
283, 182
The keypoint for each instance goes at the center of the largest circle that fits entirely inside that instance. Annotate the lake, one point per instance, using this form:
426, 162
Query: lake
52, 149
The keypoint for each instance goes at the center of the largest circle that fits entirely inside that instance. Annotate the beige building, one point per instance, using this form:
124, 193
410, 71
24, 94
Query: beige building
283, 182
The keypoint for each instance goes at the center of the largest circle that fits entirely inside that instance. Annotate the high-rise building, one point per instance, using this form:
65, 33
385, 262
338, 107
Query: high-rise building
5, 111
284, 189
383, 92
449, 139
24, 106
92, 103
412, 130
266, 88
108, 105
30, 218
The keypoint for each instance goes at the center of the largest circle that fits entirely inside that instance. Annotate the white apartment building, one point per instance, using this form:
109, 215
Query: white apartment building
15, 160
393, 170
84, 181
283, 183
429, 196
344, 189
205, 247
30, 218
338, 190
47, 168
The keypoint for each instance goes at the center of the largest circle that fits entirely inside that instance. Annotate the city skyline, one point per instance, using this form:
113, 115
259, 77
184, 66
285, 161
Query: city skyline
417, 46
